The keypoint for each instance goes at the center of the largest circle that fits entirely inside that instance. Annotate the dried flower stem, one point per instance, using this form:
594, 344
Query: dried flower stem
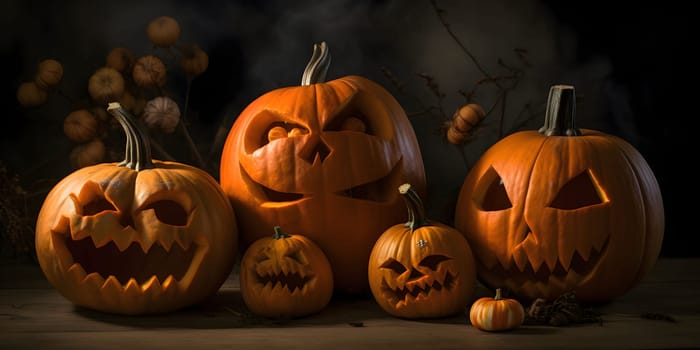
185, 130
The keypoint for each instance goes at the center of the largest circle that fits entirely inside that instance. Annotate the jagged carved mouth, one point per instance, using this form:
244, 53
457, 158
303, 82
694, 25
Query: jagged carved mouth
412, 291
578, 268
293, 281
379, 190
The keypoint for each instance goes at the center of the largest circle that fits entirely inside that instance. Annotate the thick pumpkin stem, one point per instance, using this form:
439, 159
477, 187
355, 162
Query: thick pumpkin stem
560, 116
498, 294
416, 212
138, 150
317, 67
279, 234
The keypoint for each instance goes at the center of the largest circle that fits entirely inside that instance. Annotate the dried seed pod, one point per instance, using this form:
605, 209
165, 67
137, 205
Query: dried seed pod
149, 72
121, 59
162, 113
49, 73
80, 126
105, 85
89, 153
194, 61
29, 94
163, 31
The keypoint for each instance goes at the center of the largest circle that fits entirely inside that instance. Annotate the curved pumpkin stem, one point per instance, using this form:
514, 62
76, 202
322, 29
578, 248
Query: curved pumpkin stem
279, 234
560, 117
316, 69
138, 150
416, 212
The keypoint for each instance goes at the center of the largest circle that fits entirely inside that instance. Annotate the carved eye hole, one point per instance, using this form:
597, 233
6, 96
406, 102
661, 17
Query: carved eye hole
433, 261
283, 130
94, 200
297, 256
394, 265
495, 197
581, 191
352, 122
169, 212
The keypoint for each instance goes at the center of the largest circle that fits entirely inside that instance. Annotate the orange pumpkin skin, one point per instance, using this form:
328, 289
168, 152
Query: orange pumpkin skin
496, 314
96, 223
421, 269
549, 214
319, 174
285, 276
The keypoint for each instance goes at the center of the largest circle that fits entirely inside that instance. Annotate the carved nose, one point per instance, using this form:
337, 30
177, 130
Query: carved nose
316, 149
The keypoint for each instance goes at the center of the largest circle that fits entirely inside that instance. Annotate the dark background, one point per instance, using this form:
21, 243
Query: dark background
631, 67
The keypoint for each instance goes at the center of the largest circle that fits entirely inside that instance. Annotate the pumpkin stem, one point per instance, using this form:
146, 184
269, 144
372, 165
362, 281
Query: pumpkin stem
498, 294
138, 150
416, 212
560, 116
279, 234
316, 69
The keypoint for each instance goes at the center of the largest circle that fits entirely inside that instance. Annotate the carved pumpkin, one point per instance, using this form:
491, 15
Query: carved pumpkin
141, 236
320, 159
285, 276
497, 313
421, 269
562, 209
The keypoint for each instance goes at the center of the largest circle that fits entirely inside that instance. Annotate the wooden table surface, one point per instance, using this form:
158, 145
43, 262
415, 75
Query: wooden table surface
34, 316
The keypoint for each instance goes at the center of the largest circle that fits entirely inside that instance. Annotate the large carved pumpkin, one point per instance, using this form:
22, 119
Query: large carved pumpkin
142, 236
562, 209
322, 159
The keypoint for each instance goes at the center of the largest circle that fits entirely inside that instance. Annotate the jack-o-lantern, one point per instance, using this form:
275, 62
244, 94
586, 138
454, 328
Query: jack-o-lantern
562, 209
141, 236
321, 159
421, 269
285, 276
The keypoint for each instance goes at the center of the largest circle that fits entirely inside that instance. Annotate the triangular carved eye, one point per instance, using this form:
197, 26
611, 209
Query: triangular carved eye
169, 212
581, 191
433, 261
495, 195
394, 265
298, 257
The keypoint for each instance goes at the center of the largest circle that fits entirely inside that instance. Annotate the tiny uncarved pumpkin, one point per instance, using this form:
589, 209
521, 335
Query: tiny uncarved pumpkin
137, 237
497, 313
161, 113
562, 209
194, 61
163, 31
120, 58
421, 269
88, 154
285, 276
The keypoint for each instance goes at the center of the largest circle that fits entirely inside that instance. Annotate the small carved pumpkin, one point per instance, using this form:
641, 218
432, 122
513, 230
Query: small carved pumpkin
49, 73
80, 126
138, 237
106, 84
421, 269
149, 72
562, 209
285, 276
320, 159
30, 94
162, 113
163, 31
496, 314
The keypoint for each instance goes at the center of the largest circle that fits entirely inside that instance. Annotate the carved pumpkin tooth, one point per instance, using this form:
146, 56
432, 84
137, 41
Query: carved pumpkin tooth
94, 280
169, 282
76, 273
152, 287
132, 288
112, 283
122, 241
